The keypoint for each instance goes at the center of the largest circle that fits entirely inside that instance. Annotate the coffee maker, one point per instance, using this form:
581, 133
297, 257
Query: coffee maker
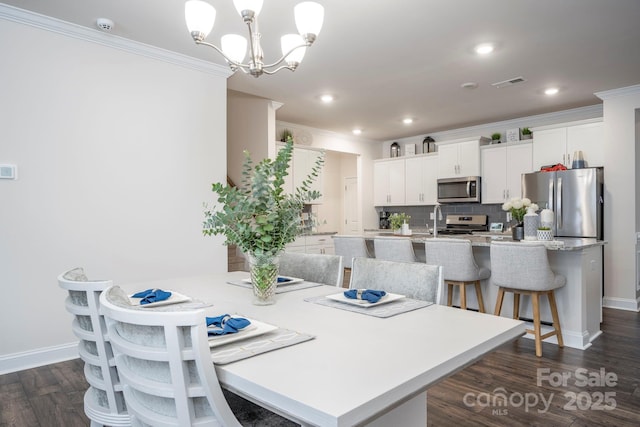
384, 220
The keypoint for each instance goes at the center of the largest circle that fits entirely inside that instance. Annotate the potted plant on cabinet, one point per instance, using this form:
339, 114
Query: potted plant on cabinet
260, 218
495, 138
526, 133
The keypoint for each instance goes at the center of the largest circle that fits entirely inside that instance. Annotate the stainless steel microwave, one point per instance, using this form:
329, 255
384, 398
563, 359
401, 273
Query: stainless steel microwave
459, 190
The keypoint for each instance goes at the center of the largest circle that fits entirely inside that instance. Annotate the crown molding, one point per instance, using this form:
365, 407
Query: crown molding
47, 23
614, 93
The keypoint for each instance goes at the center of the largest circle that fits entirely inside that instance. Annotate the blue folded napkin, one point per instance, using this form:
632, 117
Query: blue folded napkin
365, 294
152, 295
227, 324
283, 279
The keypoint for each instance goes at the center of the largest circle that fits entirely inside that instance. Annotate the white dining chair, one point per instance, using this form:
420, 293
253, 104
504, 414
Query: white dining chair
165, 366
412, 279
394, 249
104, 403
318, 268
459, 268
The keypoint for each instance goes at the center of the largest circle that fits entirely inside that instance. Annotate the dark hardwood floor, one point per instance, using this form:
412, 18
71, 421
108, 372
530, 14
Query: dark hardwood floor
52, 395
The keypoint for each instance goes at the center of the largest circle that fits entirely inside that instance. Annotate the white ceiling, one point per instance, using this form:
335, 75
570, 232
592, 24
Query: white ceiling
387, 59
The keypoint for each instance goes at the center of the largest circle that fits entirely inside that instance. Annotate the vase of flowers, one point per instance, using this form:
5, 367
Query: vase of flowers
518, 208
260, 218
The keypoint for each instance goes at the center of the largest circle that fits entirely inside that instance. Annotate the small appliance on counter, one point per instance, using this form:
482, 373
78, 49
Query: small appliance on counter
465, 224
385, 223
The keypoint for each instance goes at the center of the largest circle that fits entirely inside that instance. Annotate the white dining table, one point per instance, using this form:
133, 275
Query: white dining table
359, 369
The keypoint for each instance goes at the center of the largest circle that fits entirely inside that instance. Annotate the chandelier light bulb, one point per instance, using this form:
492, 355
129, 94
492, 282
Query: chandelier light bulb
234, 46
309, 17
290, 41
253, 5
200, 17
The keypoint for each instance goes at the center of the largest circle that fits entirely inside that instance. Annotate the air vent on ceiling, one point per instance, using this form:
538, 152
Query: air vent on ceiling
509, 82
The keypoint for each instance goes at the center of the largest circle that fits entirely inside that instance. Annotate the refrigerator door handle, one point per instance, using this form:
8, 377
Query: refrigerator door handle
550, 198
559, 204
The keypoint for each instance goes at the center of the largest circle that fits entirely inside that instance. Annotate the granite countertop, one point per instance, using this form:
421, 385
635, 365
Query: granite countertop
485, 239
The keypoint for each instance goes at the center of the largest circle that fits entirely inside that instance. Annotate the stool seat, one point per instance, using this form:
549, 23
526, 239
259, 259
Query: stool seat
399, 249
523, 269
459, 267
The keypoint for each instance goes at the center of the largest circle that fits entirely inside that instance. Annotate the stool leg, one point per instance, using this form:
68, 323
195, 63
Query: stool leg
556, 320
449, 294
535, 300
463, 295
516, 305
479, 296
499, 302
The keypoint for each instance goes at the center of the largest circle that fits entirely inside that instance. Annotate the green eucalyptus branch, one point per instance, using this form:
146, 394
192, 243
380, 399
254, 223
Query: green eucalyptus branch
259, 217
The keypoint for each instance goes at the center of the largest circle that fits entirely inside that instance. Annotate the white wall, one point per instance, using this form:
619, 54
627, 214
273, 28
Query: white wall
116, 153
366, 150
620, 134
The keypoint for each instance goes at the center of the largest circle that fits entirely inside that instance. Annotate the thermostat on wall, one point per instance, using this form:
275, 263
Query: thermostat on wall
8, 172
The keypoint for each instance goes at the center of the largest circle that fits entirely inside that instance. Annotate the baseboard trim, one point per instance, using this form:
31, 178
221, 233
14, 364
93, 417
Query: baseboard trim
621, 303
32, 359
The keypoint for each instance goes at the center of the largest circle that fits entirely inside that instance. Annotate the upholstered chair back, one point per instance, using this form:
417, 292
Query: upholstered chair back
319, 268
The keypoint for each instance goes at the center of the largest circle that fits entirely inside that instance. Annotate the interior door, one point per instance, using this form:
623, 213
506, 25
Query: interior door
351, 223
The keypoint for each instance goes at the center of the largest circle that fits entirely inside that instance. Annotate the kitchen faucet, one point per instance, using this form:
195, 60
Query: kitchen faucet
437, 209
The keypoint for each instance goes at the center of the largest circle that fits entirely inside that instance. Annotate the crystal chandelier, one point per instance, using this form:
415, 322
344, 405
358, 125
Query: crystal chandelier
200, 17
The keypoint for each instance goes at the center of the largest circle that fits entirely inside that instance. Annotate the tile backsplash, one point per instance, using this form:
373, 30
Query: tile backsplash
420, 214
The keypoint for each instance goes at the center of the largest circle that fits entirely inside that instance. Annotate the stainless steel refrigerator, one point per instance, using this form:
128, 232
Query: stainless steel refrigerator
576, 197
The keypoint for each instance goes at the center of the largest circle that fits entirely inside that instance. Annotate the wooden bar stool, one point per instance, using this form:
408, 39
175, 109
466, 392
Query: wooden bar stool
523, 269
459, 268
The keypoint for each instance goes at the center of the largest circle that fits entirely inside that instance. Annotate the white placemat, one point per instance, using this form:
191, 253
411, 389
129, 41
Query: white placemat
250, 347
385, 310
279, 289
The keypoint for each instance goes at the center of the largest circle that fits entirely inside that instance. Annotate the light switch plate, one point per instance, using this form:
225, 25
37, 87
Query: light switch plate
8, 172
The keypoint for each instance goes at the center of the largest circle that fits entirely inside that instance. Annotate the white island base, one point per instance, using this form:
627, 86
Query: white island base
579, 301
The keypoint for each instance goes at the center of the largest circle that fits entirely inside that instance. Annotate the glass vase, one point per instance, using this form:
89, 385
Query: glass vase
264, 277
517, 232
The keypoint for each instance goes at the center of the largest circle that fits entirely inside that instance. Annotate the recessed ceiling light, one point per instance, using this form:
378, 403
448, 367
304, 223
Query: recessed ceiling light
484, 48
357, 131
551, 91
326, 98
407, 121
469, 85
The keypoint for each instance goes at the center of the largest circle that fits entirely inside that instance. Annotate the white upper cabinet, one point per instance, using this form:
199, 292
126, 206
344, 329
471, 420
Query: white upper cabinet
502, 168
388, 182
421, 175
460, 157
554, 145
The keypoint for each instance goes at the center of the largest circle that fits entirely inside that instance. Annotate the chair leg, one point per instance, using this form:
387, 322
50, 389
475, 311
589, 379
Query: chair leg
499, 302
463, 295
535, 301
479, 296
554, 314
450, 294
516, 305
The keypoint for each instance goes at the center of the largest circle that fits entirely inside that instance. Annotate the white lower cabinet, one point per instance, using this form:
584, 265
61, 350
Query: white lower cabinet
312, 244
502, 168
421, 174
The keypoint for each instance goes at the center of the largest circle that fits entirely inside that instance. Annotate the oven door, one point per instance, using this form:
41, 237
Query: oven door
459, 190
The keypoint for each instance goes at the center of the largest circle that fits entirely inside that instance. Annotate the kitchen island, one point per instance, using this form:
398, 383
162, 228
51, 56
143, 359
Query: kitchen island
579, 301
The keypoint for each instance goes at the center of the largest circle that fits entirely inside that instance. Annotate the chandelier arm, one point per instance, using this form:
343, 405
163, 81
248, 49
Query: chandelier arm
288, 67
282, 58
226, 58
